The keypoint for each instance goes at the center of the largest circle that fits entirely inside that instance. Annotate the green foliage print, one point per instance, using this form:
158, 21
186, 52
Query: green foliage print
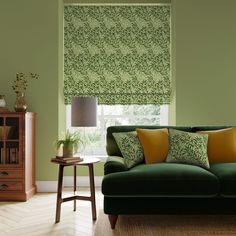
189, 148
130, 147
121, 54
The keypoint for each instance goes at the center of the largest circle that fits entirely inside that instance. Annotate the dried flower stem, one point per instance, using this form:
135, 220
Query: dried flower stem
21, 82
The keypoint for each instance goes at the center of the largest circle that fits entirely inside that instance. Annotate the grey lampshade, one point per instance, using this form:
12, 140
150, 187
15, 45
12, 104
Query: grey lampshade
84, 111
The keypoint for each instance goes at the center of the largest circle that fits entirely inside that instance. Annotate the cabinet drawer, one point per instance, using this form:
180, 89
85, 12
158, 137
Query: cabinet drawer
11, 174
10, 186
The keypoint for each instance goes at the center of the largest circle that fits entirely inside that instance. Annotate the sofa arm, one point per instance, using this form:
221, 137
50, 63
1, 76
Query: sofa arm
114, 164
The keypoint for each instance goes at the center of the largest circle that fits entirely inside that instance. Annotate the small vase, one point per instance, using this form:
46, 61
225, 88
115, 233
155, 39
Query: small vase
20, 104
2, 101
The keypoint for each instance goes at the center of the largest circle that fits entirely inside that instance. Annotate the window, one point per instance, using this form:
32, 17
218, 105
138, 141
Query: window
108, 115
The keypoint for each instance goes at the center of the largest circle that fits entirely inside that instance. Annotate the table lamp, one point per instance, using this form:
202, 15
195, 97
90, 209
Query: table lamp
84, 112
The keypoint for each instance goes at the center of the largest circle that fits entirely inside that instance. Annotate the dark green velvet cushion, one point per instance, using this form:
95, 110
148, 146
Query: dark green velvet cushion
226, 172
162, 179
206, 128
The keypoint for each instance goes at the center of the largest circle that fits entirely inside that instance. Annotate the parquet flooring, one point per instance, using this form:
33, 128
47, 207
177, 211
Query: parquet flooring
36, 217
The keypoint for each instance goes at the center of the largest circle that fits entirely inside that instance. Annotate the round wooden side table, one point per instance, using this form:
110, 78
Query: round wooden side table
86, 162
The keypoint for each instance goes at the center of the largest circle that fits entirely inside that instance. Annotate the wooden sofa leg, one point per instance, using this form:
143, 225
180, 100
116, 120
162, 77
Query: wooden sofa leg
113, 219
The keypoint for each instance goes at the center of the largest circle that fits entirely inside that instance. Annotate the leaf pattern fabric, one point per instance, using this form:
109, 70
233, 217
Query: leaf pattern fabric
120, 54
130, 147
189, 148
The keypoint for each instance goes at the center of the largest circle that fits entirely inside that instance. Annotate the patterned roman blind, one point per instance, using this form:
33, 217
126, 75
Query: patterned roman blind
118, 53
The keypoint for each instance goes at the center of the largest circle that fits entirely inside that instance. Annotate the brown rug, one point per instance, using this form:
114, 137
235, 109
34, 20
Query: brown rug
167, 225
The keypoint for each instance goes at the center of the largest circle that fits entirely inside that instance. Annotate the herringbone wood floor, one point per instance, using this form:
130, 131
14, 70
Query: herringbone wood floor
36, 217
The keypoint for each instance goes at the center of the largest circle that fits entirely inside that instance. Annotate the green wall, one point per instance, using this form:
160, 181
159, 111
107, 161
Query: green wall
203, 66
32, 41
205, 61
29, 42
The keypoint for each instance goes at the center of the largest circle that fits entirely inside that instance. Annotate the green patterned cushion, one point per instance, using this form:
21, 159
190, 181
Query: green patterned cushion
130, 148
189, 148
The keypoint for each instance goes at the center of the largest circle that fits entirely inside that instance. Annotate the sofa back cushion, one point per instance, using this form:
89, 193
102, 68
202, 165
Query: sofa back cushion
113, 149
111, 145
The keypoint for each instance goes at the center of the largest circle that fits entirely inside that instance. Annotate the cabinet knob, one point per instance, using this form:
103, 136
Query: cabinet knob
3, 186
3, 173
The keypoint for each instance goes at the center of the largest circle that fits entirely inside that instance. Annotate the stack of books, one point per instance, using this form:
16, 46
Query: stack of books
66, 160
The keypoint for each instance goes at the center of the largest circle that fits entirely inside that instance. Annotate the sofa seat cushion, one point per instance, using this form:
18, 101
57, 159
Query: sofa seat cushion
226, 172
162, 179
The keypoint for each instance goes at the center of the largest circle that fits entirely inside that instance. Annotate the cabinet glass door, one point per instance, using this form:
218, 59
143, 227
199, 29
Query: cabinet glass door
10, 140
2, 143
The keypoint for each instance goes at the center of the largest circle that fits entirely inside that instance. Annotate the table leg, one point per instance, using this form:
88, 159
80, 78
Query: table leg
74, 187
92, 191
59, 193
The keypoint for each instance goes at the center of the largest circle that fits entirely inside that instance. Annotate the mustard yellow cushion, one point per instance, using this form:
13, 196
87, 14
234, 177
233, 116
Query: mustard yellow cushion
221, 145
155, 143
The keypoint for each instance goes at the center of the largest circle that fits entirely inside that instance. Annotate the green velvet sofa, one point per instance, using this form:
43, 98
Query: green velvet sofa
165, 188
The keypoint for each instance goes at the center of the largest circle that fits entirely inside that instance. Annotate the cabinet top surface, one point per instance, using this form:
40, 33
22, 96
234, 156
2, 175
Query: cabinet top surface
16, 114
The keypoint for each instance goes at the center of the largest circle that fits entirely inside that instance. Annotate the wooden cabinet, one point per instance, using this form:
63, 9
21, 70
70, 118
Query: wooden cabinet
17, 156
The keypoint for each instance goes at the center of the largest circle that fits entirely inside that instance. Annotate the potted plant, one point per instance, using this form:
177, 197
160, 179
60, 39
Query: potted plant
70, 143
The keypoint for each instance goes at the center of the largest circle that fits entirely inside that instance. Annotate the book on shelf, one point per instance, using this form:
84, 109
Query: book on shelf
7, 156
2, 156
66, 160
13, 155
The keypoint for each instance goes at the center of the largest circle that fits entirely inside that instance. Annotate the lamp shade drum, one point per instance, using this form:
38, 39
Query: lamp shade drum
84, 111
